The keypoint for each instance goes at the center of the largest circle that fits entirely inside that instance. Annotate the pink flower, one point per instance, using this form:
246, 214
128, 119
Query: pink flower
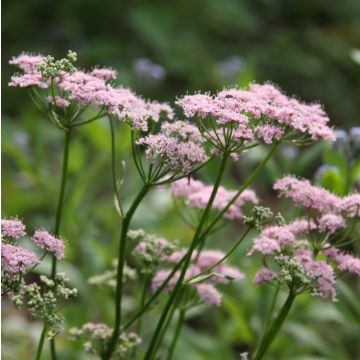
27, 62
209, 294
198, 194
49, 243
351, 205
178, 146
268, 133
265, 246
16, 259
264, 275
301, 192
344, 262
330, 223
59, 101
13, 228
104, 74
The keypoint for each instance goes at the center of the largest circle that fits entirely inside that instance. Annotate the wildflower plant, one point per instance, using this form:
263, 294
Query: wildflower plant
300, 255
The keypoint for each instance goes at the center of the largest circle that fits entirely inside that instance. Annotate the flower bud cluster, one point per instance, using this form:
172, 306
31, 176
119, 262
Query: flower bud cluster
96, 336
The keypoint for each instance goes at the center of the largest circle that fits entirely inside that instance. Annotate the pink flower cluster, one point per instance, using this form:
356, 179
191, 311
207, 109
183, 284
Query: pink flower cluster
206, 290
300, 247
263, 107
178, 145
13, 228
92, 89
15, 259
197, 195
303, 193
49, 243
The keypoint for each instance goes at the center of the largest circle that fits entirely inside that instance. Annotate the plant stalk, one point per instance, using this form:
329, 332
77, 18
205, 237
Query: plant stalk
275, 327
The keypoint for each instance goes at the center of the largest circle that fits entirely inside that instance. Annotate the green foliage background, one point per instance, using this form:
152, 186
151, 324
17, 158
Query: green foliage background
306, 47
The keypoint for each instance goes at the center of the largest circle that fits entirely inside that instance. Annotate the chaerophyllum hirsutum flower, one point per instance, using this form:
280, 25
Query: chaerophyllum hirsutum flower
261, 113
177, 148
65, 93
304, 255
196, 195
96, 335
41, 299
207, 269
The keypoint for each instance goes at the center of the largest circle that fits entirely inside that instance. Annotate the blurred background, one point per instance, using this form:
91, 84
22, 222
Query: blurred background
163, 49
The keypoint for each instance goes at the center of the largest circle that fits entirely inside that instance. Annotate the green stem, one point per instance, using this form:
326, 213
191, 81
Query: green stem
41, 343
275, 327
56, 233
199, 241
113, 166
150, 352
120, 269
177, 333
224, 257
247, 183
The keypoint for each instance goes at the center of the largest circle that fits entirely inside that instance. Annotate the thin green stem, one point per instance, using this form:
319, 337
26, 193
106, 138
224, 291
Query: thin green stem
150, 352
113, 166
179, 264
177, 333
275, 327
120, 269
41, 343
224, 257
247, 183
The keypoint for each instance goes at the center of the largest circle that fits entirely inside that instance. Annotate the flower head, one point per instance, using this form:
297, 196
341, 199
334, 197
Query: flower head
15, 259
13, 228
49, 243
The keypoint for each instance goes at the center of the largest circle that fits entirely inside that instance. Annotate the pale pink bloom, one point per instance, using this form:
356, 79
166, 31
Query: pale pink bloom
59, 101
264, 275
301, 192
198, 194
26, 80
268, 133
330, 223
322, 272
351, 205
15, 259
49, 243
209, 294
13, 228
265, 246
160, 277
301, 226
185, 187
27, 62
177, 145
281, 234
104, 74
344, 262
176, 256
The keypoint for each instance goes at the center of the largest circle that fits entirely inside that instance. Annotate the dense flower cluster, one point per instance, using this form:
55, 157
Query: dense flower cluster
15, 259
303, 253
205, 266
96, 335
178, 145
262, 111
197, 195
303, 193
49, 243
13, 228
86, 88
150, 250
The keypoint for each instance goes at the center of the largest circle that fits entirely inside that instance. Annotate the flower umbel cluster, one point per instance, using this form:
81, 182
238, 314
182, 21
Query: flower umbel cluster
96, 335
196, 194
304, 254
261, 112
150, 250
69, 92
206, 270
177, 148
